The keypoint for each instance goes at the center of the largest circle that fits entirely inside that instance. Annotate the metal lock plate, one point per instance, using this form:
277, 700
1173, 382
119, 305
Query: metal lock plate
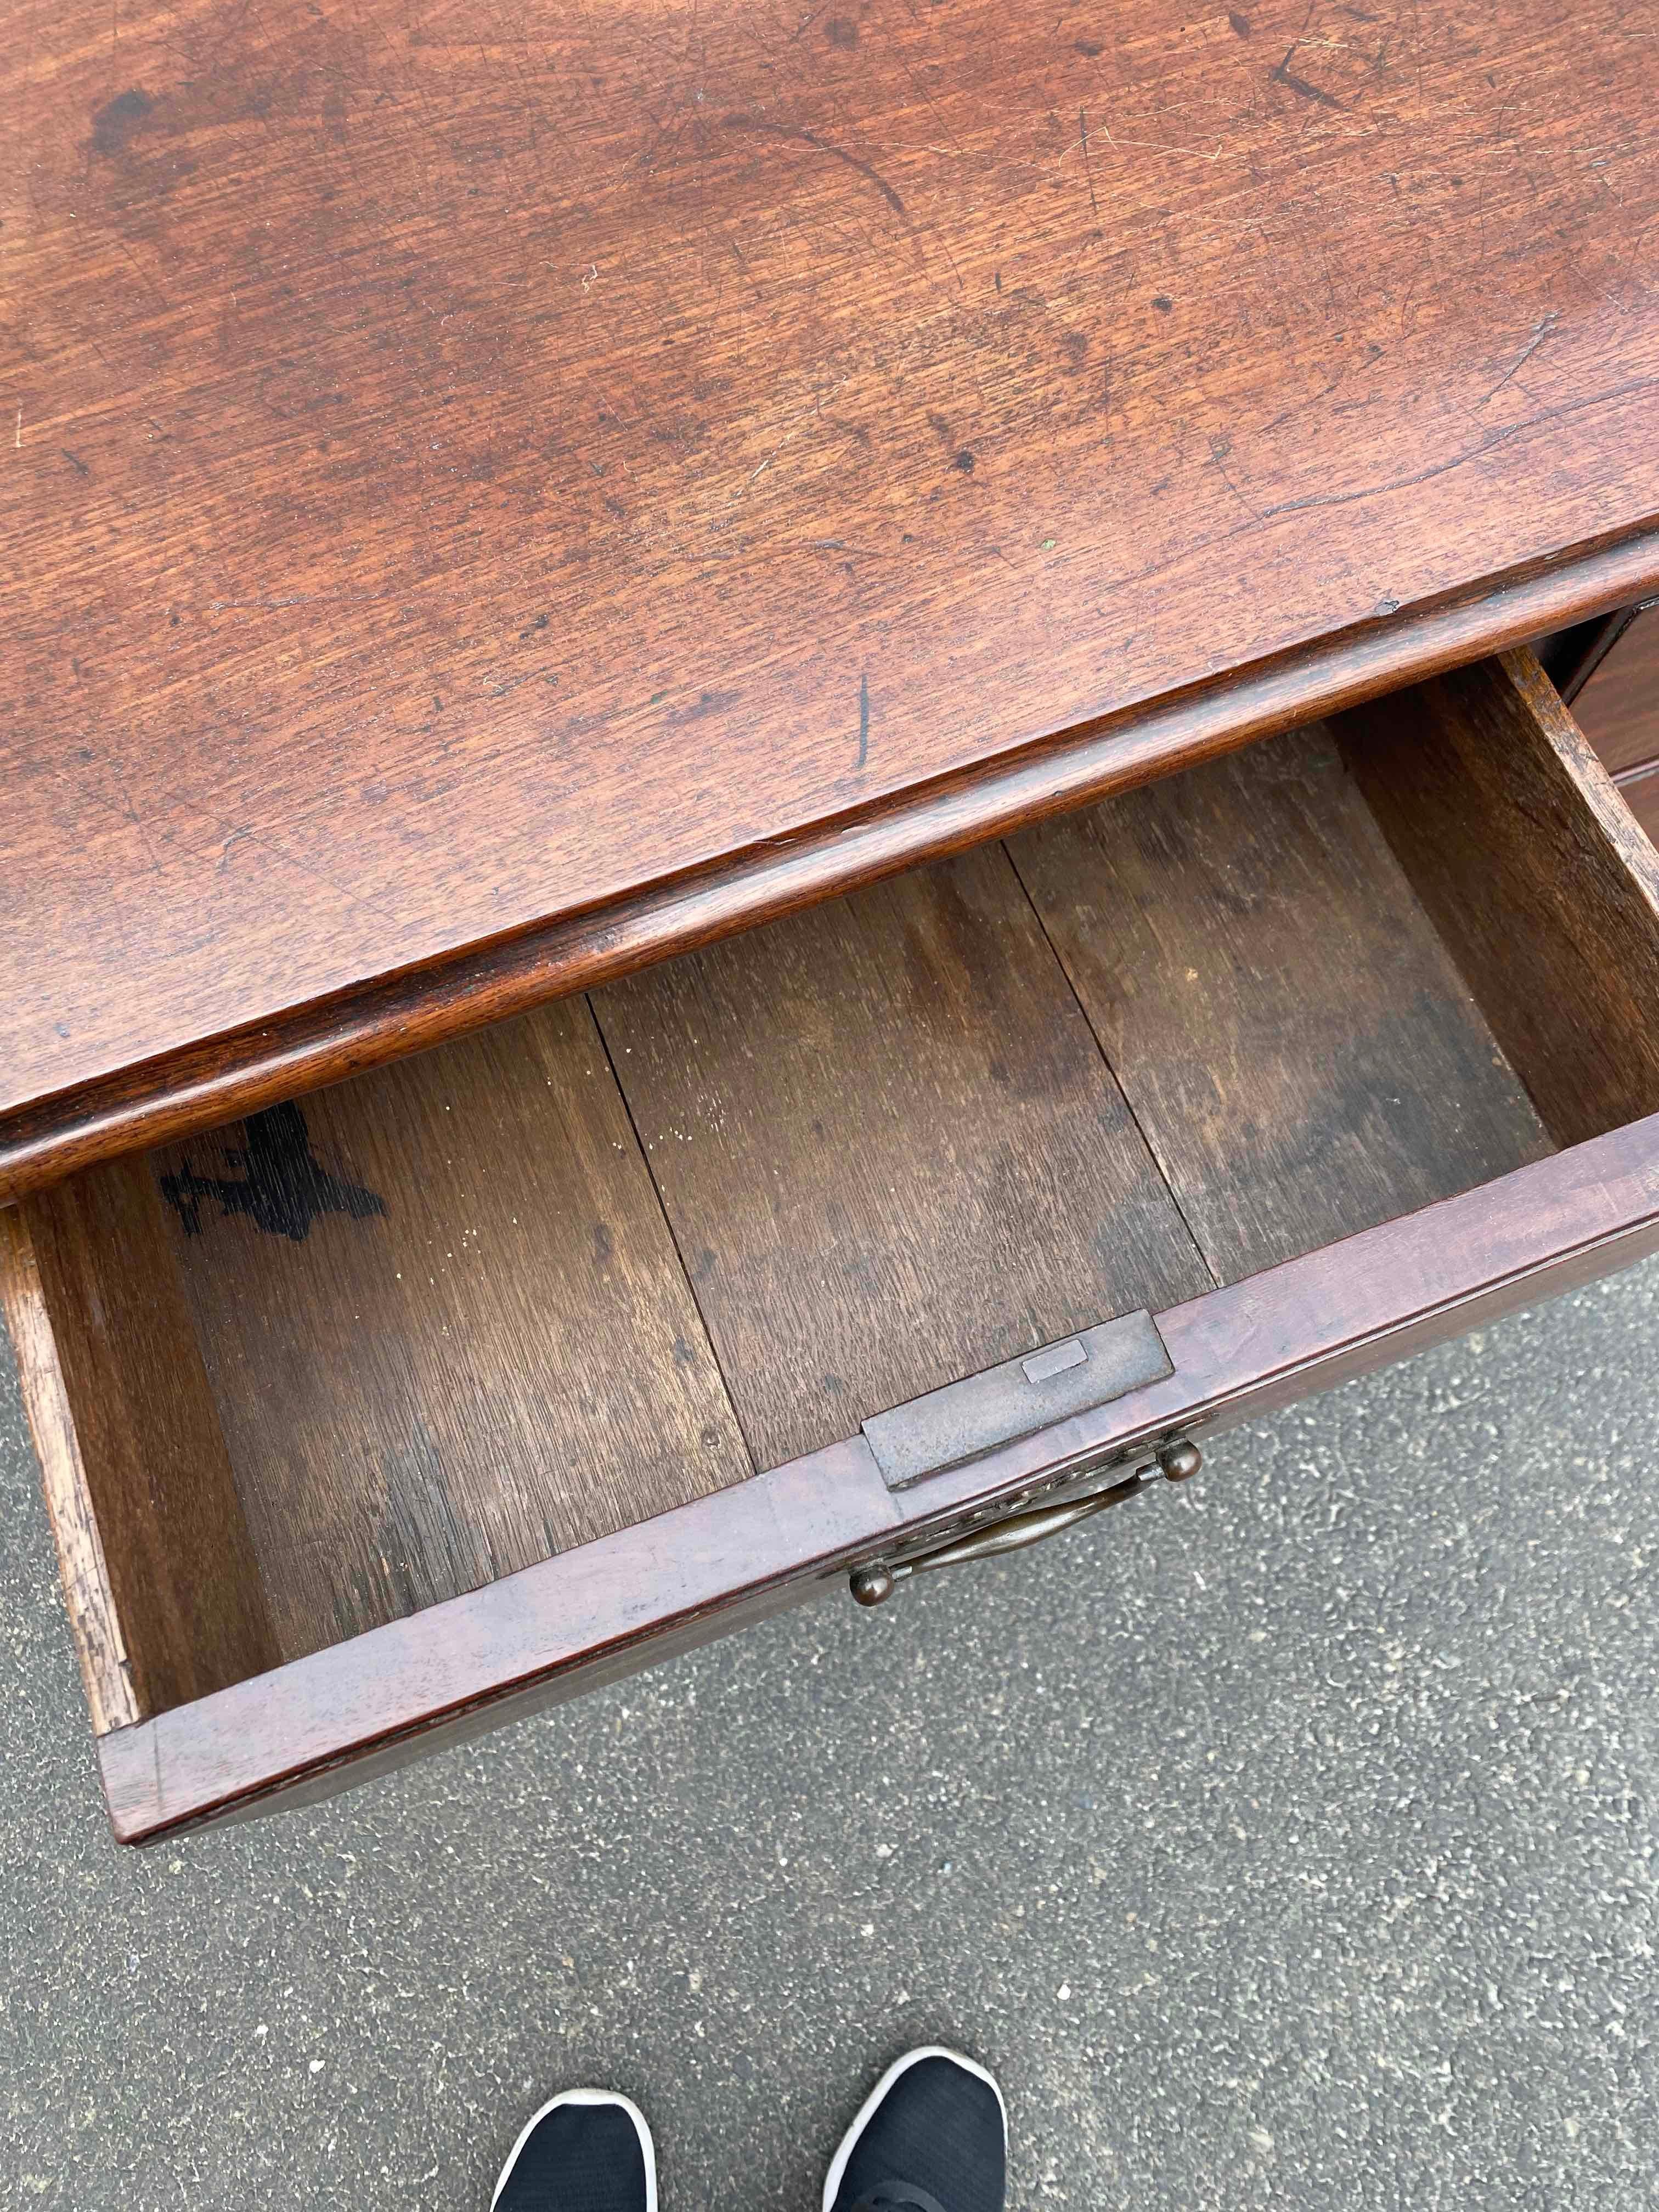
966, 1419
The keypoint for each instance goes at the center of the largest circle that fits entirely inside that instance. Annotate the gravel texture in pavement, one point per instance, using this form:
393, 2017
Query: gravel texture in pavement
1286, 1840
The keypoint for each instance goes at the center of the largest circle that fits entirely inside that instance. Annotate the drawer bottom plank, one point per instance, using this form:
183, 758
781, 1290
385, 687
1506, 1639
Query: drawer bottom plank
446, 1329
890, 1150
1287, 1026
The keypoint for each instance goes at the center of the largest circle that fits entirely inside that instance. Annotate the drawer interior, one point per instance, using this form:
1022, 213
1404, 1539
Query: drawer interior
354, 1355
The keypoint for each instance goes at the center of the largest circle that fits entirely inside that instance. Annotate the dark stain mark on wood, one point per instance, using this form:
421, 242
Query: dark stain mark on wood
1088, 166
706, 702
964, 461
864, 718
1241, 23
74, 462
1164, 303
115, 125
763, 127
842, 31
1087, 48
1297, 84
284, 1188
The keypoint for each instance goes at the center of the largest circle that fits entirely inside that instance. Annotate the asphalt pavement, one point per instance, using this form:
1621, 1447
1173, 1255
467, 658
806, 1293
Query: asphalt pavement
1287, 1840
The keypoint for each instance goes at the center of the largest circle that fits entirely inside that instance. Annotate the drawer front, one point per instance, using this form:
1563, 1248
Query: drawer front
588, 1617
492, 1374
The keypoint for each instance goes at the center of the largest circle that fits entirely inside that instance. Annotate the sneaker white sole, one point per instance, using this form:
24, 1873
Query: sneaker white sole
588, 2097
901, 2066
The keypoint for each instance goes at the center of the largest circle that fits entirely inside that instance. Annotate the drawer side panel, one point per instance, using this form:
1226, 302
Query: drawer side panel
1541, 880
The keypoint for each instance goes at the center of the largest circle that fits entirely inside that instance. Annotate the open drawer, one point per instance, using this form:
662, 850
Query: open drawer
481, 1378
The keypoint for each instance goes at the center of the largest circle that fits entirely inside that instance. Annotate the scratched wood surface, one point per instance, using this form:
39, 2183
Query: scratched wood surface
464, 461
445, 1328
1288, 1027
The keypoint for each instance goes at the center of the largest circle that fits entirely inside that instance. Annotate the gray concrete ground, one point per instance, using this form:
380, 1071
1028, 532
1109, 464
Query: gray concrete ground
1288, 1840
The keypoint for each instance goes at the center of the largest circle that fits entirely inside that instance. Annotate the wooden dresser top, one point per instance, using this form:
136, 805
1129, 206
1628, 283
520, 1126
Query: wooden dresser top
469, 463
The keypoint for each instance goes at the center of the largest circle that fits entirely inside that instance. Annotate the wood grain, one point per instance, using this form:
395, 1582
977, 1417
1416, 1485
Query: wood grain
99, 1643
189, 1614
1618, 708
1290, 1034
1543, 885
559, 1629
889, 1149
478, 1349
380, 1020
465, 469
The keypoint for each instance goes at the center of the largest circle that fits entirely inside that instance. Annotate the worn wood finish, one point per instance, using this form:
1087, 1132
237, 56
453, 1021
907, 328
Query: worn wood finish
890, 1150
83, 1569
558, 1628
465, 469
188, 1611
367, 1026
445, 1328
1542, 884
1289, 1030
927, 1030
1618, 708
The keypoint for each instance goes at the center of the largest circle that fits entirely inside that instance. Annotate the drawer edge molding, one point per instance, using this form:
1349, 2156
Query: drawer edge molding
544, 1633
384, 1017
706, 1563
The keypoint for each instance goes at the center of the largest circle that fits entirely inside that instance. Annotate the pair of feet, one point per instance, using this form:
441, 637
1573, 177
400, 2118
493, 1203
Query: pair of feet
931, 2136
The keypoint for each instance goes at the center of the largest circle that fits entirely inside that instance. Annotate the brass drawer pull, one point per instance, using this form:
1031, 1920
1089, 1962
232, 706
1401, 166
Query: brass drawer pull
1175, 1461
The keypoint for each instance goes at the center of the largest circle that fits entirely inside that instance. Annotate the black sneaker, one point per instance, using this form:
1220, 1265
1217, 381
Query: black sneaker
932, 2136
586, 2150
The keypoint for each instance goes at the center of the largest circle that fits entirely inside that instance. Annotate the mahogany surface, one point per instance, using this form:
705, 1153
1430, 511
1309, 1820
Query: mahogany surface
469, 465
